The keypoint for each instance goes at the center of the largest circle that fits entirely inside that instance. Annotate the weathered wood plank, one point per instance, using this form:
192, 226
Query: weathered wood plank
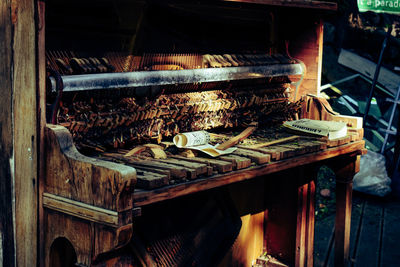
391, 235
73, 229
300, 259
255, 156
284, 152
41, 112
25, 130
324, 236
388, 79
312, 146
79, 209
344, 169
150, 180
368, 249
356, 217
297, 149
323, 244
238, 162
92, 181
273, 151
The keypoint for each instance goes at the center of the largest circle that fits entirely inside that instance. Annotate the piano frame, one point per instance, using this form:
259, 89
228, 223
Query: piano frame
111, 227
26, 142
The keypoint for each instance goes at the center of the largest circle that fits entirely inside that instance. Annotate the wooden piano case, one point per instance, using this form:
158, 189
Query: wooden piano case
121, 212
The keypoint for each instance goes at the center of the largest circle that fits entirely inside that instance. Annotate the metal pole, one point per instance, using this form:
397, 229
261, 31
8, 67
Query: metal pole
377, 70
394, 107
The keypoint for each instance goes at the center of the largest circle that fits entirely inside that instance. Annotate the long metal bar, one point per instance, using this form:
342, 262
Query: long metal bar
376, 75
100, 81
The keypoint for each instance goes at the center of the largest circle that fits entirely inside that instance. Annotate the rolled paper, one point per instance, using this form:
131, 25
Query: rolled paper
190, 139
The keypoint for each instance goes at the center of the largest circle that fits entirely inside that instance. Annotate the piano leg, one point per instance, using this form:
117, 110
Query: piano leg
305, 216
345, 168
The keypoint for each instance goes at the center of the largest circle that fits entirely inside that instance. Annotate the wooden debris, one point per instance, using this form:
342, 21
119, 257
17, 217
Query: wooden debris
158, 153
235, 140
135, 150
278, 141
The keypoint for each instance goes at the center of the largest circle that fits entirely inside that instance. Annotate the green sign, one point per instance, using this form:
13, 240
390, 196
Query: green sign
379, 6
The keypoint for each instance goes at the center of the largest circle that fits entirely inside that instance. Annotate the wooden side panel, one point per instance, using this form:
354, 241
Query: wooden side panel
25, 131
6, 138
281, 222
250, 242
78, 232
304, 37
305, 218
89, 240
301, 226
70, 174
289, 225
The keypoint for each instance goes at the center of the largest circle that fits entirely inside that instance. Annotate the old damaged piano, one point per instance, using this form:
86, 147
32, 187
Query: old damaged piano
119, 79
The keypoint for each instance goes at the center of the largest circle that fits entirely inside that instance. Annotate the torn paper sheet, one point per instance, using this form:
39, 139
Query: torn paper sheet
199, 141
